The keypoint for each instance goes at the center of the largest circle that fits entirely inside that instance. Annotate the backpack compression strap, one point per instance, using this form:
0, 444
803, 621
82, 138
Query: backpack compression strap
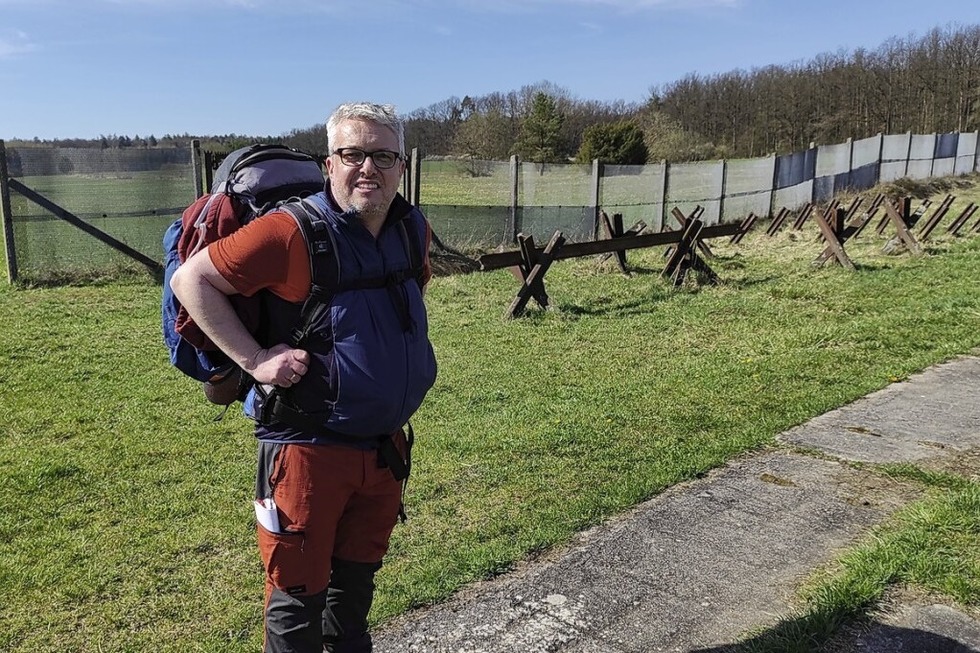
325, 271
326, 283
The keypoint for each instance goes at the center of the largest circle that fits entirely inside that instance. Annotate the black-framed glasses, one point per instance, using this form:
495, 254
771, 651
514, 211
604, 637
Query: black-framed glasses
351, 156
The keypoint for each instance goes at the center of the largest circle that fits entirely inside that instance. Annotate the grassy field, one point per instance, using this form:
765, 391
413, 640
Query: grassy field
128, 525
135, 208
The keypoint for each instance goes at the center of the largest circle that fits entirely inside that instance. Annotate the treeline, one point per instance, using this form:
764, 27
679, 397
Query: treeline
924, 85
225, 142
927, 84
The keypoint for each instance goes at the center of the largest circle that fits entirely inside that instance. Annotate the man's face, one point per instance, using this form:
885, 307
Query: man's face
364, 187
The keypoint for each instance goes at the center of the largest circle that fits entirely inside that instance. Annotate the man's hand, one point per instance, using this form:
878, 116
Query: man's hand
280, 365
204, 293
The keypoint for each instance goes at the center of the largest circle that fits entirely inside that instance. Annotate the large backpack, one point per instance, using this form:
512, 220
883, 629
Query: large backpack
250, 182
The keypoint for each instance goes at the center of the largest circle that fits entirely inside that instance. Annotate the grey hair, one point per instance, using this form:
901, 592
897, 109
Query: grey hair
381, 114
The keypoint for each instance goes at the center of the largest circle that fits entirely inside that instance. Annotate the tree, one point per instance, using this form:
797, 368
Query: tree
665, 138
483, 137
15, 166
312, 141
66, 166
618, 142
924, 85
540, 135
433, 128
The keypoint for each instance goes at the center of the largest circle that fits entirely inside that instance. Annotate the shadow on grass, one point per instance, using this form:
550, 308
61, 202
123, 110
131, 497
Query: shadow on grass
87, 277
813, 634
642, 306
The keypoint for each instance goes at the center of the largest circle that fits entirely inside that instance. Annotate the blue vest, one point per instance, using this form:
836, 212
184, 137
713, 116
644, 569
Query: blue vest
371, 362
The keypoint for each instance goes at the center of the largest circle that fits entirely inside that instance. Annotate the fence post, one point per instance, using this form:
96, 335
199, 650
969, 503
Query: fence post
407, 178
772, 190
6, 215
416, 176
724, 189
908, 154
976, 154
196, 163
666, 190
932, 161
412, 178
514, 218
850, 164
881, 154
596, 178
813, 186
209, 170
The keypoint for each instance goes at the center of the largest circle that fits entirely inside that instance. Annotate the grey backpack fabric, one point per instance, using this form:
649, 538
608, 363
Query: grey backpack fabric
266, 174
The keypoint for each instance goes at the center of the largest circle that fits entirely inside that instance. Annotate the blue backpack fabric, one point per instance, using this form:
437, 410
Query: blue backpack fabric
199, 364
250, 182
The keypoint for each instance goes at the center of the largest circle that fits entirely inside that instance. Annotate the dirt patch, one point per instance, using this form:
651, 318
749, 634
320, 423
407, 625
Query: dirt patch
874, 489
444, 265
963, 463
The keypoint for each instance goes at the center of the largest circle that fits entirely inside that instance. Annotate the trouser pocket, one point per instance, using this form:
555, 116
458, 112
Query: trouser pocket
285, 561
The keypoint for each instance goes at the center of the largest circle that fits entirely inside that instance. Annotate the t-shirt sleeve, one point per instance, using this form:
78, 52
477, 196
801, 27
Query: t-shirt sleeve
267, 253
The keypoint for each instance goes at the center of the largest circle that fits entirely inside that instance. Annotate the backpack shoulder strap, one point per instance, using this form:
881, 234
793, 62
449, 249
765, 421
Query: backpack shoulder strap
413, 248
322, 247
324, 265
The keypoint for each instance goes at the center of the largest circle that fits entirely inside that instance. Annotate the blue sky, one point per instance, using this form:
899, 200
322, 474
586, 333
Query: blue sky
82, 68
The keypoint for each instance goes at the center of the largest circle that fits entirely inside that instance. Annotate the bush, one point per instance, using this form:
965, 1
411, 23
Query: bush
616, 142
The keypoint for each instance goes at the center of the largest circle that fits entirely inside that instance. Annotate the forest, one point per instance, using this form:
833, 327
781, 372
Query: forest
923, 84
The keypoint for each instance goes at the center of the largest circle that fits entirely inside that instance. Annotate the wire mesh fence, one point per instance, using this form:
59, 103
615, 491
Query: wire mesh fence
130, 195
133, 194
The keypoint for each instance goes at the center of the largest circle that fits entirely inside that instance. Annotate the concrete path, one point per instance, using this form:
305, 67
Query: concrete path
709, 562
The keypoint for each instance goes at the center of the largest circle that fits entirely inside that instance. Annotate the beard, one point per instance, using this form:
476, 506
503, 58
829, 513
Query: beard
367, 207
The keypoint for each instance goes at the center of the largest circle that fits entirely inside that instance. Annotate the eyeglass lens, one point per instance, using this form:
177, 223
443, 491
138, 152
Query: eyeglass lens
354, 157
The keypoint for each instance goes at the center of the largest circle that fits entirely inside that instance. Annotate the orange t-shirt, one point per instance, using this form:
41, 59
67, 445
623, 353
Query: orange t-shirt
268, 253
271, 253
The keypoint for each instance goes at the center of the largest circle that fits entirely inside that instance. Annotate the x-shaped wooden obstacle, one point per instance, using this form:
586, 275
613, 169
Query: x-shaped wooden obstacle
530, 264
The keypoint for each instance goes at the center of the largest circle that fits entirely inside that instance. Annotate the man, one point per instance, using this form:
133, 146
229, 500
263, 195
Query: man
327, 496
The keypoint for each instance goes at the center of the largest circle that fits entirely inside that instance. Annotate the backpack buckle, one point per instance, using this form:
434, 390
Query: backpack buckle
264, 405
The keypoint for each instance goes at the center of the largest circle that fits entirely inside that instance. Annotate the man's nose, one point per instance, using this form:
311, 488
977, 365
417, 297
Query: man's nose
369, 164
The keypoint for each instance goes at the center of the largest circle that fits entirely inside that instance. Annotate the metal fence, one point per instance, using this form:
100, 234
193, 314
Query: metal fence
133, 194
490, 202
126, 197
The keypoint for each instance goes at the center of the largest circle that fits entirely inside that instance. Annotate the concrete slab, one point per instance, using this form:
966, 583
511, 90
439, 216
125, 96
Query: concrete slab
933, 414
696, 566
708, 561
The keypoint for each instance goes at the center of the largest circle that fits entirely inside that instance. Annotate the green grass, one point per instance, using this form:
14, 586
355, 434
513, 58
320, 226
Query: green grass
452, 183
488, 183
128, 525
932, 545
50, 249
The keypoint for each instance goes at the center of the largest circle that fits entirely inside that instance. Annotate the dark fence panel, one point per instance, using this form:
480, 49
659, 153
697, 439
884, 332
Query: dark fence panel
865, 177
478, 226
795, 168
946, 145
